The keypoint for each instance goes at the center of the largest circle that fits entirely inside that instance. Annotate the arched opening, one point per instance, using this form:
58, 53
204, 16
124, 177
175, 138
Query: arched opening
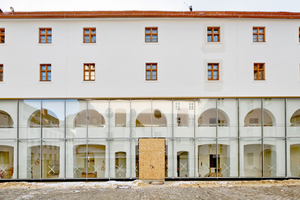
5, 120
269, 161
6, 162
252, 160
208, 118
295, 119
49, 119
89, 162
120, 164
120, 117
295, 160
182, 164
159, 119
253, 118
94, 119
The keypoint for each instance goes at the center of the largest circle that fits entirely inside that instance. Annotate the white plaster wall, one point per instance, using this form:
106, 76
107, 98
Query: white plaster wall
120, 54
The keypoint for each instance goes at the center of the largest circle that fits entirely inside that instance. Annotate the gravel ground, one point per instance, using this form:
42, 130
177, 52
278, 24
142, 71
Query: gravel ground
168, 191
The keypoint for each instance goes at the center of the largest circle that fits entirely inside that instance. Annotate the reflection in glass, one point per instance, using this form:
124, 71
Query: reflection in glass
6, 160
120, 160
251, 157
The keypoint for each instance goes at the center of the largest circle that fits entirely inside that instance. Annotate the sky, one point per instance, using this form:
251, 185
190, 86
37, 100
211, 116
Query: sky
167, 5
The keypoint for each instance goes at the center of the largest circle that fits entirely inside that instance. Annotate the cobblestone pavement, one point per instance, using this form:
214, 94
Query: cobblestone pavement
154, 192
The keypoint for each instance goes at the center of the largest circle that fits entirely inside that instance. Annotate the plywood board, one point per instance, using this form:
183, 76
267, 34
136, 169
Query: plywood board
151, 158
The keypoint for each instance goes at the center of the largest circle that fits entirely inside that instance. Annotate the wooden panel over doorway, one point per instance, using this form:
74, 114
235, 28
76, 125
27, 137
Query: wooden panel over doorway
151, 159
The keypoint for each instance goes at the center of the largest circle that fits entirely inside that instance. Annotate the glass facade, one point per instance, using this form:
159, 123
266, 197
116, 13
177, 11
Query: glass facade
98, 139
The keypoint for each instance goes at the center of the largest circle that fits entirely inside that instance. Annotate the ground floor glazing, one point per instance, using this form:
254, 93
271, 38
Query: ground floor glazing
204, 138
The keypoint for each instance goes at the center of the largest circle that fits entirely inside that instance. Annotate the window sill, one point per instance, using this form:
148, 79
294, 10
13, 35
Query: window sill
154, 81
88, 81
45, 82
89, 44
213, 81
151, 43
212, 43
2, 44
45, 44
259, 81
259, 43
2, 82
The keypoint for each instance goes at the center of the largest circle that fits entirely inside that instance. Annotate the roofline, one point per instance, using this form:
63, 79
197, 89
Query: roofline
149, 14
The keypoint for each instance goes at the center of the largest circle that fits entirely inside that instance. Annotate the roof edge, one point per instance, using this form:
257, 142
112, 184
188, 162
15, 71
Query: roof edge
150, 14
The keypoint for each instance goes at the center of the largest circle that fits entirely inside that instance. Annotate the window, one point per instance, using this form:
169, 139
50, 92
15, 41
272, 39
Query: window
191, 106
89, 35
45, 35
177, 106
2, 35
213, 34
151, 35
89, 72
259, 34
213, 71
259, 71
151, 71
1, 73
45, 72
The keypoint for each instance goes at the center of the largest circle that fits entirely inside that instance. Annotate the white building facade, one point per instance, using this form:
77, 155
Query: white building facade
78, 90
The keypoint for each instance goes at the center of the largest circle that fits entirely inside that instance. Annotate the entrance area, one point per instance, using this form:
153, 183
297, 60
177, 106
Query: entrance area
151, 159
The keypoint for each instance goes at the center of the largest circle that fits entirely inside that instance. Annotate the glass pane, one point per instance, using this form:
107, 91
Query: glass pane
261, 30
293, 117
99, 115
119, 159
148, 66
216, 38
93, 78
76, 120
97, 161
86, 39
8, 163
49, 39
53, 118
215, 66
209, 38
86, 74
183, 118
147, 38
93, 38
141, 118
154, 38
250, 157
1, 67
209, 74
153, 73
92, 66
209, 66
87, 77
93, 31
30, 159
8, 118
154, 30
153, 66
87, 31
49, 67
215, 75
254, 30
43, 31
86, 67
49, 76
254, 38
206, 114
49, 31
261, 38
148, 77
184, 152
120, 123
43, 39
148, 73
153, 77
43, 76
162, 118
250, 117
76, 161
293, 157
216, 30
148, 31
43, 67
2, 31
261, 75
227, 117
53, 156
209, 30
274, 157
92, 73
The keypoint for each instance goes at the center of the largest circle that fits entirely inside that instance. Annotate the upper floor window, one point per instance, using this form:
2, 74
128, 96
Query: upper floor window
2, 35
45, 35
259, 34
89, 72
151, 35
213, 34
213, 71
45, 72
1, 73
259, 71
89, 35
151, 71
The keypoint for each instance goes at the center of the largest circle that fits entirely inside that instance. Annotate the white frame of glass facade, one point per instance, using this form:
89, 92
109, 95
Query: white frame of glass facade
261, 150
